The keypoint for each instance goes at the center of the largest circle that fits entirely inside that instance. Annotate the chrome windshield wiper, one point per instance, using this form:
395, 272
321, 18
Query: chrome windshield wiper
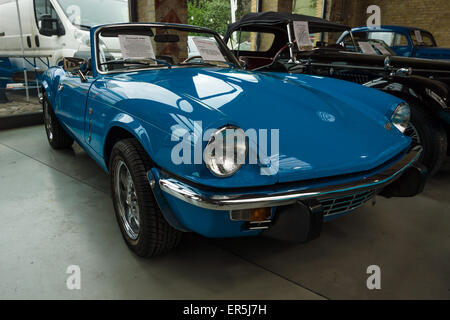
145, 61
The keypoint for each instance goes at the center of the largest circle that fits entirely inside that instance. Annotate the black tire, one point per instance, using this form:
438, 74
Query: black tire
432, 136
153, 236
56, 135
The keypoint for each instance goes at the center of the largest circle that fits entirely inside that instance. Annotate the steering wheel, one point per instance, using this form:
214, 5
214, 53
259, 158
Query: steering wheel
192, 58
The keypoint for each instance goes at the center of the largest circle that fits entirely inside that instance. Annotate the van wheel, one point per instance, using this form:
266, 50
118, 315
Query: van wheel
141, 222
56, 135
431, 135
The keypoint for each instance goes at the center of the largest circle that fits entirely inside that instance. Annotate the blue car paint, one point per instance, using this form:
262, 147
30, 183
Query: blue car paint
435, 53
212, 223
149, 104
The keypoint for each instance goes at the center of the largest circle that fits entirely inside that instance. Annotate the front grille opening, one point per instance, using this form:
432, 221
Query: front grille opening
346, 203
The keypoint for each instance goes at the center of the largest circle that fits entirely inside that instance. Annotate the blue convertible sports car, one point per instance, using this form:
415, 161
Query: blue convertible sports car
197, 144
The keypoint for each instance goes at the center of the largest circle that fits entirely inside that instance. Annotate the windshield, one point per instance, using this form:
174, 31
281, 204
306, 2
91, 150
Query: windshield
144, 47
88, 13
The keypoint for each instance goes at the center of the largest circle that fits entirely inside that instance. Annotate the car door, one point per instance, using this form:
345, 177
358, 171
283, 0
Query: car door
402, 45
73, 95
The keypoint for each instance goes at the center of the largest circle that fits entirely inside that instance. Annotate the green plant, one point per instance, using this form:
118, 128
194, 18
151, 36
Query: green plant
213, 14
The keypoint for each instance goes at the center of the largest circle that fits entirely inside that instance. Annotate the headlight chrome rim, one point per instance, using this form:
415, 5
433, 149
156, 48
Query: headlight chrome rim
213, 163
401, 117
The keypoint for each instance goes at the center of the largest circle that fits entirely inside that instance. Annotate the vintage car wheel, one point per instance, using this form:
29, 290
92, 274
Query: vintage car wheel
56, 135
431, 135
141, 222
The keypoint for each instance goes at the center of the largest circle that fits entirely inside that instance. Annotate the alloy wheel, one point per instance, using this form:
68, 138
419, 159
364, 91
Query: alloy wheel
127, 199
48, 121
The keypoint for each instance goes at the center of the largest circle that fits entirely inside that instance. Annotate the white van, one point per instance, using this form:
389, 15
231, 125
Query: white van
59, 28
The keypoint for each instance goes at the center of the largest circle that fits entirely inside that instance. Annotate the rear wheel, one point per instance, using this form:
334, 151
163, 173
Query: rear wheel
431, 135
56, 135
141, 222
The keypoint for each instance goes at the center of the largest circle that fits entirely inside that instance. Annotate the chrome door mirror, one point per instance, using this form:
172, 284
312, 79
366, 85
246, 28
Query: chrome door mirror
74, 66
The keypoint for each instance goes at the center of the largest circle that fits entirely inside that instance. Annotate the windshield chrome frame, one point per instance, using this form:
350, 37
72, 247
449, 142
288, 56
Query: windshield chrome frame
155, 25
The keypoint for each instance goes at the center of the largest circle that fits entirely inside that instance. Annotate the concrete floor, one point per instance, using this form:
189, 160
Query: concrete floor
55, 211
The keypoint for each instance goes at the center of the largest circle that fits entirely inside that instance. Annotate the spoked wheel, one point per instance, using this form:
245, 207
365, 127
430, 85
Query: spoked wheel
427, 131
141, 222
56, 135
413, 133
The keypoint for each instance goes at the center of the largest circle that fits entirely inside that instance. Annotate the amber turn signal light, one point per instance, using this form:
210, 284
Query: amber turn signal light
260, 214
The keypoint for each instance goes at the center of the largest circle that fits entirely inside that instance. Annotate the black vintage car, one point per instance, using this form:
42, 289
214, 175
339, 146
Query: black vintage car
266, 42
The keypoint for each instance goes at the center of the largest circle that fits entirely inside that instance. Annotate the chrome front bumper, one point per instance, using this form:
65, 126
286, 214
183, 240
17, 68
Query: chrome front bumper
226, 201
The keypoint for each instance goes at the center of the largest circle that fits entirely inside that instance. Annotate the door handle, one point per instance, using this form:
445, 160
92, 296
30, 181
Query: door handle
60, 87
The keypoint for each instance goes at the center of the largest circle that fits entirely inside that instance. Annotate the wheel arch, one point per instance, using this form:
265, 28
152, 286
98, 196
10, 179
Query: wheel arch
417, 89
45, 89
120, 131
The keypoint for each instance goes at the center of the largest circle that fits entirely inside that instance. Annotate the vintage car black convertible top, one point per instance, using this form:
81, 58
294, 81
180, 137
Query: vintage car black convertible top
251, 21
276, 22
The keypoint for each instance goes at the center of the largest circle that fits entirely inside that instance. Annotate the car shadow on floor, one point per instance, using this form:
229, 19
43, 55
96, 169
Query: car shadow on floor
396, 234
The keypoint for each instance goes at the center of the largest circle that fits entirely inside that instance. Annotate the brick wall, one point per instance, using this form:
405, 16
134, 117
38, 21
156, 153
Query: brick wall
146, 10
431, 15
165, 11
277, 5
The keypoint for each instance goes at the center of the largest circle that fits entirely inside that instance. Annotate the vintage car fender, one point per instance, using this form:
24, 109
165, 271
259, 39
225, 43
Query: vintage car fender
435, 94
123, 123
50, 82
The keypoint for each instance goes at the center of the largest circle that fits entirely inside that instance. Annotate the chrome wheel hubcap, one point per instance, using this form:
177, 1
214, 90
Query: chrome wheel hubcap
48, 121
126, 196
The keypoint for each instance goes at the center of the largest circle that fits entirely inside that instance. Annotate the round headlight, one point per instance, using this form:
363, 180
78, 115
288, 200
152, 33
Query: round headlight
401, 117
225, 152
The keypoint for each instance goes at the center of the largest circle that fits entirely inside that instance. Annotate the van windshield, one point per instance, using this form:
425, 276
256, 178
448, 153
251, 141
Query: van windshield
88, 13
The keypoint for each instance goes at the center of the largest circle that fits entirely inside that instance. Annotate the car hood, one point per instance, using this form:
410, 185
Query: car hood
326, 127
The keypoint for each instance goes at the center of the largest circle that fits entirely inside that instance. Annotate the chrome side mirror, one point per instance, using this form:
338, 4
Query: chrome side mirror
73, 65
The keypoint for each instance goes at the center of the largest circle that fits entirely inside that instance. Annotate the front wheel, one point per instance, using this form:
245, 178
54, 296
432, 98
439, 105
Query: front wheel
141, 222
56, 135
431, 135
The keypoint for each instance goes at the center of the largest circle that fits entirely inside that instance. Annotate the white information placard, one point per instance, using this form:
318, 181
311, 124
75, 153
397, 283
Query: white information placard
208, 50
136, 47
367, 48
301, 31
419, 37
382, 49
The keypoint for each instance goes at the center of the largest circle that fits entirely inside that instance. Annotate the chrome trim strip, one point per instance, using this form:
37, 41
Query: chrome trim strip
237, 201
